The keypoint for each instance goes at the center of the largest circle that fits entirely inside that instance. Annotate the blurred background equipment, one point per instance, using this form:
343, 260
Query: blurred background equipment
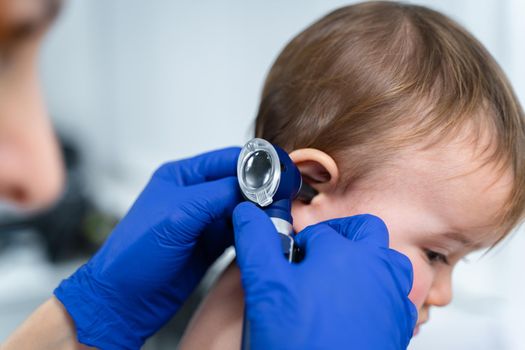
136, 83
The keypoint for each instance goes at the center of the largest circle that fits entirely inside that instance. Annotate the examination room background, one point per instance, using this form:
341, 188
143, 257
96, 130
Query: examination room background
133, 83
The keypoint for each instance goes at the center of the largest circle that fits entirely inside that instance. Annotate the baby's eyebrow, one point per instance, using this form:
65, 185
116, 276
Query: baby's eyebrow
461, 238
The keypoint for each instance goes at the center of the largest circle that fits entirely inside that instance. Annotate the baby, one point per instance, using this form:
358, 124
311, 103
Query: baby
394, 110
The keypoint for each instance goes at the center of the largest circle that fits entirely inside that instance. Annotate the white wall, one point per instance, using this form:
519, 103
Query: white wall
139, 82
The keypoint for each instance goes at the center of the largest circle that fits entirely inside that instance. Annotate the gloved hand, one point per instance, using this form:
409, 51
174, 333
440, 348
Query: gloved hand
157, 254
349, 292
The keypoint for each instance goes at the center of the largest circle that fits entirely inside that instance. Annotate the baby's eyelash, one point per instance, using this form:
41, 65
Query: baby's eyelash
435, 257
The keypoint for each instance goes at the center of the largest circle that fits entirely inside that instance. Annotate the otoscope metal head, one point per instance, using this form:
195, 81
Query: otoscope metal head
266, 173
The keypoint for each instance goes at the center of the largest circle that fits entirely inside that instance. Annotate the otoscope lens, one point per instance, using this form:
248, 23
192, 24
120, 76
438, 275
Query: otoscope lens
257, 169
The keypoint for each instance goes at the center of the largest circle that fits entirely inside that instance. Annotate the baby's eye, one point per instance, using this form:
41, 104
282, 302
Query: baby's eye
435, 257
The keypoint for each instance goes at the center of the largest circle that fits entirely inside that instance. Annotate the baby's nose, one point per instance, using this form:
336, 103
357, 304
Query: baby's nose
441, 291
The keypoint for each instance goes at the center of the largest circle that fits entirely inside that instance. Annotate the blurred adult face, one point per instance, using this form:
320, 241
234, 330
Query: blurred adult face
31, 169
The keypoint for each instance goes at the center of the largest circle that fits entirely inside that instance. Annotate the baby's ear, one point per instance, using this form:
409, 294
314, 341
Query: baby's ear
318, 169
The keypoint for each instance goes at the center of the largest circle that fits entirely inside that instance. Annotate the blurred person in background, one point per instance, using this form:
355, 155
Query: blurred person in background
32, 173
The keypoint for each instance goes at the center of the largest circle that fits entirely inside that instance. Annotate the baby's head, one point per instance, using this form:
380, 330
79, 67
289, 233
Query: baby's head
395, 110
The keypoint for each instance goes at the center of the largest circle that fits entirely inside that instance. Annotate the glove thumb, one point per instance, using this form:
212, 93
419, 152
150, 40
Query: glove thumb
362, 228
257, 242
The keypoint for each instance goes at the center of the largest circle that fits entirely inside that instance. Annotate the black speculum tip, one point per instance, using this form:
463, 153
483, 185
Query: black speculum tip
306, 193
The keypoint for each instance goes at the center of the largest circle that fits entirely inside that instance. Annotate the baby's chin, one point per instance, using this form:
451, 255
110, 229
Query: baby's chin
419, 323
416, 331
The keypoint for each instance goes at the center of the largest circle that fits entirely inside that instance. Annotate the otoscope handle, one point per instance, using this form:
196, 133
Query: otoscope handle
280, 214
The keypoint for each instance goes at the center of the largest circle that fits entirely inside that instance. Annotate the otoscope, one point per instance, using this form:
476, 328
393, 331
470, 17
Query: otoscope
268, 177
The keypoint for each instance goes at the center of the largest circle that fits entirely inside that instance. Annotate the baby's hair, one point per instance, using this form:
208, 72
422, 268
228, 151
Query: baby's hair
367, 80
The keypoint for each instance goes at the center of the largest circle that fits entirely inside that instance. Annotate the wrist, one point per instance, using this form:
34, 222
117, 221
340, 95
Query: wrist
96, 323
48, 328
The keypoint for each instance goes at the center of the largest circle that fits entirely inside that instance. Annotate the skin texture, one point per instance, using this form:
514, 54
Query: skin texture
49, 327
424, 197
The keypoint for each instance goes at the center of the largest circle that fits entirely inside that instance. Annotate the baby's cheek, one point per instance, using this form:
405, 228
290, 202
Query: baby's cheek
423, 273
422, 281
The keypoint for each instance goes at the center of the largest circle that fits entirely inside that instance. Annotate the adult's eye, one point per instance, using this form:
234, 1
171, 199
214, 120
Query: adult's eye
435, 257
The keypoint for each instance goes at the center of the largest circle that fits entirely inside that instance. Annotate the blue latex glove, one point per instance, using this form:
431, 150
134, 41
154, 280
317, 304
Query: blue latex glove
350, 291
157, 254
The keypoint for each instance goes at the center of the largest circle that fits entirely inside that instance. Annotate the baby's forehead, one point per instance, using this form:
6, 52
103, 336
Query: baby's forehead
468, 156
455, 180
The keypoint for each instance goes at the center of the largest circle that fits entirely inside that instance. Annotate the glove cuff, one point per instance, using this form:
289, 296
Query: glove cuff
96, 324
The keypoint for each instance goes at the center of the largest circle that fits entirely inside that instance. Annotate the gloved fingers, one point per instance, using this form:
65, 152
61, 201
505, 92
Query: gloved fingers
403, 271
205, 204
216, 238
364, 227
411, 321
325, 236
412, 310
201, 168
257, 243
216, 198
317, 239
